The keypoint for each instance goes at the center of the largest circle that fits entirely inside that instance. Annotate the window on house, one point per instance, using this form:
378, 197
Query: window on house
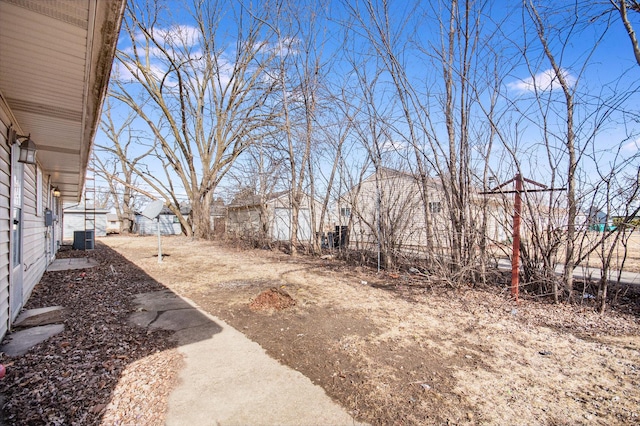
176, 220
345, 211
435, 207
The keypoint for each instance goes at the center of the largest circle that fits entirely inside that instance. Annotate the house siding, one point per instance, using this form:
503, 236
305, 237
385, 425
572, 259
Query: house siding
87, 49
404, 213
243, 221
38, 247
35, 253
5, 227
403, 207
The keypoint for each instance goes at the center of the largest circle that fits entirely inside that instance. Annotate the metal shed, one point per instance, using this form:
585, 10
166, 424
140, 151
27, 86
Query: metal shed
169, 224
74, 220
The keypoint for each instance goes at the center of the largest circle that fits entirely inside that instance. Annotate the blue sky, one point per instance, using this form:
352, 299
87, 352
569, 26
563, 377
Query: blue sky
603, 73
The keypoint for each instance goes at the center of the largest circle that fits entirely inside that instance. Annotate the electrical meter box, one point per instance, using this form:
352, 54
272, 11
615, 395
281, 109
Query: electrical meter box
48, 218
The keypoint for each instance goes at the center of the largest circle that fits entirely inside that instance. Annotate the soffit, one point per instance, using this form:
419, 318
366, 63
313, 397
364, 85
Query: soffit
55, 59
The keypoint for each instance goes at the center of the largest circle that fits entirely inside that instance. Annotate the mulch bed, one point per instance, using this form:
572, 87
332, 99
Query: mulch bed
100, 369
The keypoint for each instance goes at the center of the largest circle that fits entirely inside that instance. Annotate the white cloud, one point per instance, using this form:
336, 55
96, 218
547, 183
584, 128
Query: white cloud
122, 73
283, 47
185, 35
632, 147
393, 146
543, 81
183, 42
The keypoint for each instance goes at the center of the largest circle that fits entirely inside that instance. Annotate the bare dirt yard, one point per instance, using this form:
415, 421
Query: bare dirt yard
392, 348
398, 349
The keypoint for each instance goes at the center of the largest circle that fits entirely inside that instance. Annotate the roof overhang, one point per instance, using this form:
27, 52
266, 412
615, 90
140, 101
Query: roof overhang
55, 62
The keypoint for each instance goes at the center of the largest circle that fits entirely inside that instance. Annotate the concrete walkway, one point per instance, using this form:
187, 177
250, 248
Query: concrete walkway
228, 379
71, 263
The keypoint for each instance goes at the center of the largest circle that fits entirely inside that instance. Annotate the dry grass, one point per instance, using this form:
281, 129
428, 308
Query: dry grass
395, 350
618, 251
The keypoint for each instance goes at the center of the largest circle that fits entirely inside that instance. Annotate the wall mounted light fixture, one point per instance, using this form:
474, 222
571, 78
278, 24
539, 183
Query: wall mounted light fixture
56, 192
28, 147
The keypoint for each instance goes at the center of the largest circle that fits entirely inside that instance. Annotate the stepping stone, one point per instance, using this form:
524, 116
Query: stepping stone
70, 264
160, 301
165, 310
143, 319
179, 320
39, 316
21, 341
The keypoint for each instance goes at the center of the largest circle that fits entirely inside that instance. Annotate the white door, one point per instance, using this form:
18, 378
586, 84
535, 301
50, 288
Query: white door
282, 224
304, 225
15, 280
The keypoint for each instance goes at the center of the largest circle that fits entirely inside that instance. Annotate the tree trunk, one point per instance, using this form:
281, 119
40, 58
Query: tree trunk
201, 216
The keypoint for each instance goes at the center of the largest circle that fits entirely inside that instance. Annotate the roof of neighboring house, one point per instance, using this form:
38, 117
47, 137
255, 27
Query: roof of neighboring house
112, 217
388, 173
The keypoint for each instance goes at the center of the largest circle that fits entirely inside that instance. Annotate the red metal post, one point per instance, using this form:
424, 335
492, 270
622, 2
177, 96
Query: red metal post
515, 258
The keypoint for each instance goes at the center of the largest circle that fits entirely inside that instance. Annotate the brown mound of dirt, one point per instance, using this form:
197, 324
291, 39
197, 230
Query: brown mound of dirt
272, 298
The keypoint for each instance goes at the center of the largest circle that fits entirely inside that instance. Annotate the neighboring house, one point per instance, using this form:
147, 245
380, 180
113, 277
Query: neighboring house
75, 218
394, 199
169, 223
55, 60
113, 223
597, 221
247, 215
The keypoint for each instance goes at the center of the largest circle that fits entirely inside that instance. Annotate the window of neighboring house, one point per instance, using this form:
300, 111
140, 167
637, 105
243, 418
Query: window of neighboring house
39, 199
345, 211
435, 207
176, 220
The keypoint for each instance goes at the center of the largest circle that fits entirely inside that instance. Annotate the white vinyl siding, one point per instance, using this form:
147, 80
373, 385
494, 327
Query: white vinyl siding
34, 258
35, 249
5, 228
74, 220
281, 228
39, 190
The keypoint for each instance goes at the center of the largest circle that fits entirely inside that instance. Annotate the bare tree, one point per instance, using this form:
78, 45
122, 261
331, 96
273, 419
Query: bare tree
259, 175
568, 120
300, 69
623, 7
116, 162
202, 93
433, 112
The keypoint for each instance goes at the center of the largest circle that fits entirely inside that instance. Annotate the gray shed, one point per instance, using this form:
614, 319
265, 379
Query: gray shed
243, 216
169, 224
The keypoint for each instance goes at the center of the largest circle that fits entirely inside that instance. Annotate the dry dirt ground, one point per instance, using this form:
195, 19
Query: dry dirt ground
391, 348
394, 349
